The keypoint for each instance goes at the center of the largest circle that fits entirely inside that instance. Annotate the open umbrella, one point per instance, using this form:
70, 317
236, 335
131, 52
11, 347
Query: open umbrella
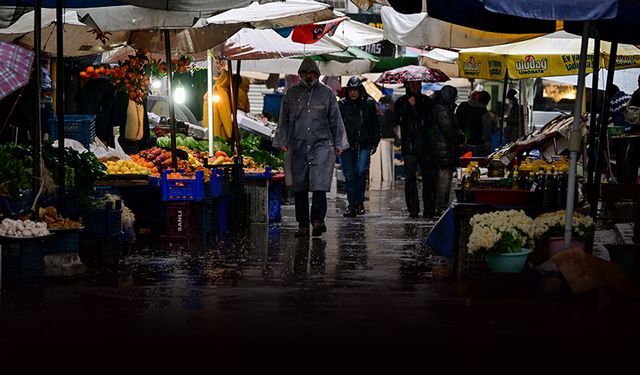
15, 67
405, 73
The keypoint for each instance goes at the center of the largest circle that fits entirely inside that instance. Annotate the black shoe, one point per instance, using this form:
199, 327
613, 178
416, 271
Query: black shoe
302, 232
429, 214
351, 212
360, 208
414, 214
318, 228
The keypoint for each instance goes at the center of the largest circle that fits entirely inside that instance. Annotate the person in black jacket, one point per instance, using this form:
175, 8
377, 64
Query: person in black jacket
413, 111
447, 140
362, 124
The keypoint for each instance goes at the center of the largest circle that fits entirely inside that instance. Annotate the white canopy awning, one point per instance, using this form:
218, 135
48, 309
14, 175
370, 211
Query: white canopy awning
420, 30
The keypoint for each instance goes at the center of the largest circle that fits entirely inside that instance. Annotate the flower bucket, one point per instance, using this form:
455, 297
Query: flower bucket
556, 245
508, 262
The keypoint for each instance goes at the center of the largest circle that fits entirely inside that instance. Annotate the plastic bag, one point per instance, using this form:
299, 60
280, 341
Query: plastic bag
103, 151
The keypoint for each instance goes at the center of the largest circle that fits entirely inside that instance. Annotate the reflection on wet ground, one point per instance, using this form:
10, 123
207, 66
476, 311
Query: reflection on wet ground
366, 282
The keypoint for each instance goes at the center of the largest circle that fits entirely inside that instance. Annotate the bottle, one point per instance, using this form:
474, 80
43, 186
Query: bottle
495, 167
475, 175
531, 182
466, 185
515, 181
548, 189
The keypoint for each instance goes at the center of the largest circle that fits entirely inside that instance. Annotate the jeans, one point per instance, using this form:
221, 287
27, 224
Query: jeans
318, 206
355, 166
411, 163
443, 184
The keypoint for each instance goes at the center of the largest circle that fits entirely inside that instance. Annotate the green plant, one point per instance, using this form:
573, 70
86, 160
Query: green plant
16, 170
552, 224
499, 232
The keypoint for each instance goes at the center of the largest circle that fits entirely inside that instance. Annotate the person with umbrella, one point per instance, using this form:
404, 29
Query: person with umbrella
414, 113
312, 133
362, 124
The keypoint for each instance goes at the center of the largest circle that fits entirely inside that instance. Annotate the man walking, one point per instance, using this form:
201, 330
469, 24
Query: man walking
363, 133
414, 116
311, 133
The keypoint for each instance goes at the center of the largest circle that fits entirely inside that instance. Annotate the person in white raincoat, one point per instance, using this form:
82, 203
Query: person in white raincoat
312, 133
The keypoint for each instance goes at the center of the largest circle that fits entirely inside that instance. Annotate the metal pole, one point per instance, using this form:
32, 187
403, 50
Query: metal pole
37, 133
503, 105
210, 101
602, 130
575, 141
60, 105
172, 113
234, 106
593, 127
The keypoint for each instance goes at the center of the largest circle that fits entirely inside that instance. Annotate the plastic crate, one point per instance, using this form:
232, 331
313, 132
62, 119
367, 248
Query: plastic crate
218, 182
63, 241
258, 191
615, 131
102, 223
182, 220
252, 176
154, 181
82, 128
275, 193
23, 262
221, 213
182, 189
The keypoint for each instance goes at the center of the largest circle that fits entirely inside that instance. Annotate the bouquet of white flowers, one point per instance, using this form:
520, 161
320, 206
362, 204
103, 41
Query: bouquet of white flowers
499, 232
552, 224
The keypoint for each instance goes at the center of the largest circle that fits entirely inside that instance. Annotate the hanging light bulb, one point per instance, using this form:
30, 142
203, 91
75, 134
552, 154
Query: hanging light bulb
216, 98
180, 95
156, 84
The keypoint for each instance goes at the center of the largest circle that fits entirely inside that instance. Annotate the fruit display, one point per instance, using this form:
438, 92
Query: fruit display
156, 160
50, 216
220, 157
126, 167
23, 228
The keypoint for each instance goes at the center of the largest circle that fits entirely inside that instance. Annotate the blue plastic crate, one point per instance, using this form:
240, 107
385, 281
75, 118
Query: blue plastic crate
217, 182
182, 189
275, 192
154, 181
62, 242
266, 174
23, 262
82, 128
221, 206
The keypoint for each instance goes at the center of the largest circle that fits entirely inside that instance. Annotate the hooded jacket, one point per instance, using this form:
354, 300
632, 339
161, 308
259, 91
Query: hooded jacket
311, 128
360, 118
447, 136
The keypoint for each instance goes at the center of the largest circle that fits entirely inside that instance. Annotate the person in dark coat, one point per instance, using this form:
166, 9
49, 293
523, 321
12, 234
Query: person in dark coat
362, 124
311, 133
447, 140
476, 122
512, 117
414, 111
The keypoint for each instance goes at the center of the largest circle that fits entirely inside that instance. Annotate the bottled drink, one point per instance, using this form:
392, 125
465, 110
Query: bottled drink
514, 183
549, 190
475, 175
466, 185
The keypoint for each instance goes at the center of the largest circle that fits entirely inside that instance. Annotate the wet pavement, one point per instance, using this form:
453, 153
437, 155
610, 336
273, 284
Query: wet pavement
364, 286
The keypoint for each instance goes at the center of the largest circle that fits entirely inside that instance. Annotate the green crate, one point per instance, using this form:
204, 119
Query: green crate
614, 131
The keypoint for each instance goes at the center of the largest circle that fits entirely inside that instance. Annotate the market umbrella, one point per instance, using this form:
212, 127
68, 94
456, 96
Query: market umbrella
400, 75
15, 67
